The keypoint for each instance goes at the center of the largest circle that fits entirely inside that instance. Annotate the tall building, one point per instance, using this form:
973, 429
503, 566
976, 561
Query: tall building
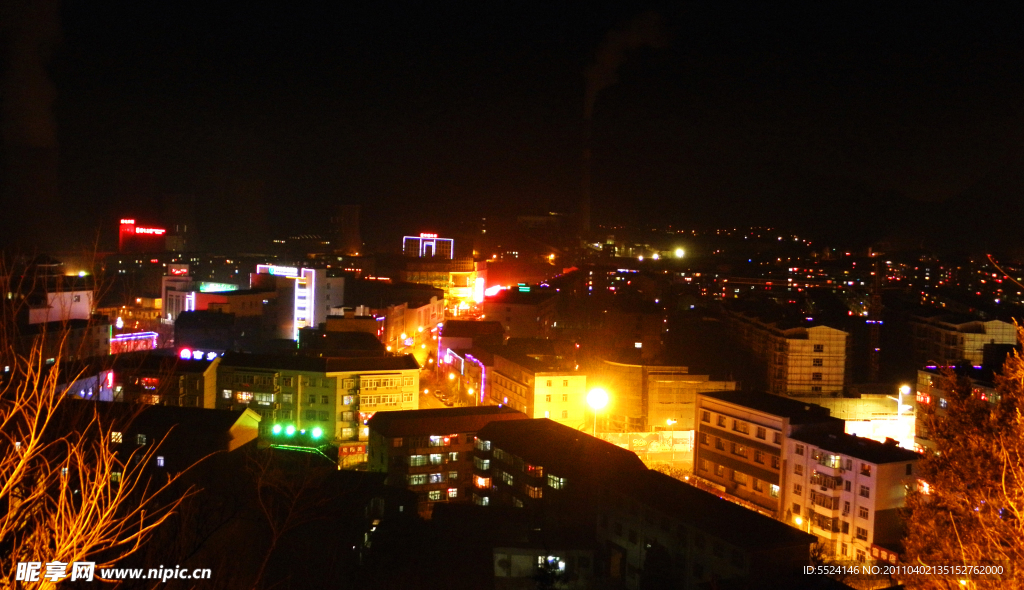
800, 358
848, 491
742, 440
430, 451
347, 237
311, 291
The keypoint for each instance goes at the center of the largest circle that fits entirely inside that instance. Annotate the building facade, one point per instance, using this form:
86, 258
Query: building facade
950, 339
847, 491
335, 395
798, 360
741, 443
430, 451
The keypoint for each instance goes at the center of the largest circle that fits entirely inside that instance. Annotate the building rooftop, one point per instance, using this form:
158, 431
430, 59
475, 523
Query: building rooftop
439, 420
565, 451
798, 412
707, 512
319, 364
471, 328
858, 447
514, 296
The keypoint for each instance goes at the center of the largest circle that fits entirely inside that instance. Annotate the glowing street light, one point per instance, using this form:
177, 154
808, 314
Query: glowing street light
451, 376
277, 429
680, 252
317, 432
597, 399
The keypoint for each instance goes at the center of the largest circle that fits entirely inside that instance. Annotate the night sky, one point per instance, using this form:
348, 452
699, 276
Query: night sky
845, 121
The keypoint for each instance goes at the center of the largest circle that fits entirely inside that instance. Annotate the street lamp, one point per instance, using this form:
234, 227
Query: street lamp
597, 399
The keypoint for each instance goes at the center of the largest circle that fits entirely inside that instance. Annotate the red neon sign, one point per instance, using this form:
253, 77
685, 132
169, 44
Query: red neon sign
127, 222
150, 230
428, 235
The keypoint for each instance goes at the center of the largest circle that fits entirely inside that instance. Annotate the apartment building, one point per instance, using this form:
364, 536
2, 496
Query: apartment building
800, 357
695, 537
931, 393
847, 491
741, 442
949, 339
550, 469
537, 387
429, 451
565, 478
335, 395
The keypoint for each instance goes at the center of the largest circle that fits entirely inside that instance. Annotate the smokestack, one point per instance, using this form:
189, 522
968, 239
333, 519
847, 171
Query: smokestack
645, 30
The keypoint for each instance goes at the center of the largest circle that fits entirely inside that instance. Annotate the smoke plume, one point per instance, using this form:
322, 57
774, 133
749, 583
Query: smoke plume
645, 30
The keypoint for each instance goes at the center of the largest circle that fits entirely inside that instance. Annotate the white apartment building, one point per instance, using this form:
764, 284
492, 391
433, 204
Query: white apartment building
800, 360
949, 339
742, 440
847, 490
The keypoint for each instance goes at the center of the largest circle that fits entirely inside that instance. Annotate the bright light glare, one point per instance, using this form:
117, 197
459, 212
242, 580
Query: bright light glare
905, 389
451, 376
290, 430
799, 521
680, 253
597, 398
277, 429
317, 432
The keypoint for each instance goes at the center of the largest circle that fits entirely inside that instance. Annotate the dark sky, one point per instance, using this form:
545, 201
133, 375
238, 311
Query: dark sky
849, 121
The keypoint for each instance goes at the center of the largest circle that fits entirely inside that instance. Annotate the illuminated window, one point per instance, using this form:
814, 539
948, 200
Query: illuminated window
159, 461
435, 459
555, 482
115, 437
719, 470
226, 393
115, 476
434, 494
453, 492
140, 439
534, 491
436, 478
244, 396
416, 479
865, 470
739, 477
417, 460
773, 491
482, 482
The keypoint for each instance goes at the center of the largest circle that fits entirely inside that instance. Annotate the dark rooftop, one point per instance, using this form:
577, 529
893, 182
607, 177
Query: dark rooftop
516, 297
439, 420
318, 364
565, 451
798, 412
859, 447
707, 512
